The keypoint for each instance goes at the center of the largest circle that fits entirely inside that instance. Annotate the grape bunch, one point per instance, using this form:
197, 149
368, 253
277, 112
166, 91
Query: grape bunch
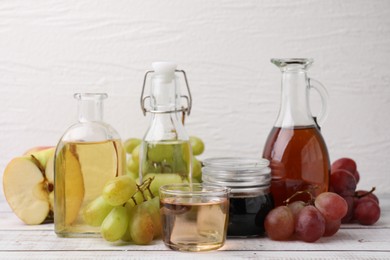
363, 206
132, 147
306, 221
126, 211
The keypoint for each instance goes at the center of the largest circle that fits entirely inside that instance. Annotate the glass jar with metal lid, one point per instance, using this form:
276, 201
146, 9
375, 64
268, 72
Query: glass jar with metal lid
250, 199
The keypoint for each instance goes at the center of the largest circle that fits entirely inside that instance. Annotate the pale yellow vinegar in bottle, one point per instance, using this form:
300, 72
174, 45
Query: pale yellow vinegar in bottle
81, 171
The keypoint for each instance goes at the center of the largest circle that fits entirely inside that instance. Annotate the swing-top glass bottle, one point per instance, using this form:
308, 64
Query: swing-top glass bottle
165, 150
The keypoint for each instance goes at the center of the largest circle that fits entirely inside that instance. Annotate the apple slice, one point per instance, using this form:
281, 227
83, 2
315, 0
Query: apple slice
69, 185
49, 169
43, 157
25, 190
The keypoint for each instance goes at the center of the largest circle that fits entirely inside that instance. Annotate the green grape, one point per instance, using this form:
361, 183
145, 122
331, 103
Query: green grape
197, 145
141, 226
126, 236
160, 152
129, 208
133, 175
166, 157
195, 180
196, 169
161, 179
137, 199
130, 144
154, 167
132, 165
135, 153
187, 152
115, 224
96, 211
119, 190
180, 166
152, 206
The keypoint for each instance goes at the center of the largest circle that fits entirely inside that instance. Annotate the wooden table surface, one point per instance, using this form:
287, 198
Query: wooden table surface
352, 241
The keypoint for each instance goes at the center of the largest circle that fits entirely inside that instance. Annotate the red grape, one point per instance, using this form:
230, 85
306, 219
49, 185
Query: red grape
343, 183
331, 205
344, 164
350, 202
296, 207
356, 174
366, 211
279, 223
331, 227
310, 224
364, 193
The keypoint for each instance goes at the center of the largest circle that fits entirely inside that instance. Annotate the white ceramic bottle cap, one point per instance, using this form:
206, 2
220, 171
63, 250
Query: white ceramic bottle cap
165, 69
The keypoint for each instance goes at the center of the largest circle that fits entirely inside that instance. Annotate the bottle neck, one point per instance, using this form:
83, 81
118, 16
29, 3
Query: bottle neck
166, 126
165, 105
90, 107
294, 108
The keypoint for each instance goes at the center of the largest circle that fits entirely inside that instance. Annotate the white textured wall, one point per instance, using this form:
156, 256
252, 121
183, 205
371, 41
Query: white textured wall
51, 49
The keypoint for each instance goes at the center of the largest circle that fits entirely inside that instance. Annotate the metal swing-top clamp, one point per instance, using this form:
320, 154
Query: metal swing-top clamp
184, 110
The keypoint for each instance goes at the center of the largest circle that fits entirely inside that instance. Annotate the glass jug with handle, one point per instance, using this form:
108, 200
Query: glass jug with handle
297, 152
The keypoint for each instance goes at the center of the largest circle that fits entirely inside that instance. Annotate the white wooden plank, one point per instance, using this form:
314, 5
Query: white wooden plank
172, 255
346, 240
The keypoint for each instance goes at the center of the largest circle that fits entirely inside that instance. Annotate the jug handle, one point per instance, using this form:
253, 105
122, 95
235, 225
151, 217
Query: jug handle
315, 84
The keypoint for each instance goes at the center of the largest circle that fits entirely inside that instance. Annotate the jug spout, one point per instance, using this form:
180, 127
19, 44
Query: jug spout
293, 63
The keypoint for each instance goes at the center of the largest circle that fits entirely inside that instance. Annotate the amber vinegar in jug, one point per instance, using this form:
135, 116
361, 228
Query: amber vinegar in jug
297, 152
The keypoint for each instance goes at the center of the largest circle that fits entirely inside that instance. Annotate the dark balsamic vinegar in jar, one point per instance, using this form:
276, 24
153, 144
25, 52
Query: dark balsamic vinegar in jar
250, 199
247, 215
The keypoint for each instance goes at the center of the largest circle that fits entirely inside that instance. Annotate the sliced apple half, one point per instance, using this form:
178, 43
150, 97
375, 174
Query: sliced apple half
49, 174
42, 157
25, 190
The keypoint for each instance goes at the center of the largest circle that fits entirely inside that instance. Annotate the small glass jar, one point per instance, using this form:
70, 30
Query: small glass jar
194, 216
250, 198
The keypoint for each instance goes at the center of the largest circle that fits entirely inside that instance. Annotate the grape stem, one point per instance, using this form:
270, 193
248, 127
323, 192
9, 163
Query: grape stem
311, 200
145, 186
365, 194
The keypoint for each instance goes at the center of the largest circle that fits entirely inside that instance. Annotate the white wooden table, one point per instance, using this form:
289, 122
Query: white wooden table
19, 241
